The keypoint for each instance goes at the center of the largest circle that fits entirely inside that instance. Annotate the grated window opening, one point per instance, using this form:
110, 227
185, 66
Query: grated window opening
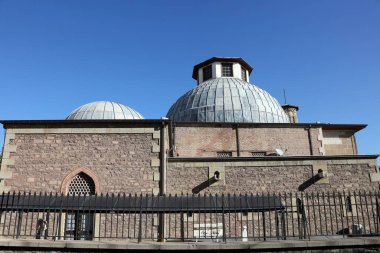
227, 69
81, 184
348, 204
259, 153
207, 73
243, 74
224, 154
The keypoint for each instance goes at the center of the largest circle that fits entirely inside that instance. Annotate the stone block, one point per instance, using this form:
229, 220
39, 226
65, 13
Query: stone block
156, 176
156, 191
374, 177
156, 135
8, 162
5, 174
155, 162
155, 148
10, 148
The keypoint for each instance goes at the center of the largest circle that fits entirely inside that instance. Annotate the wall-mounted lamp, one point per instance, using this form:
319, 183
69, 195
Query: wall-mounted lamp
217, 175
321, 173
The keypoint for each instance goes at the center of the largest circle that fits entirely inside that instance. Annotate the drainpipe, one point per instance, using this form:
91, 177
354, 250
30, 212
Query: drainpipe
162, 192
162, 160
310, 140
171, 142
237, 140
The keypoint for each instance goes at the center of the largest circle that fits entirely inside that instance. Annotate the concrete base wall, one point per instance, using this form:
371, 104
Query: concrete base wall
288, 245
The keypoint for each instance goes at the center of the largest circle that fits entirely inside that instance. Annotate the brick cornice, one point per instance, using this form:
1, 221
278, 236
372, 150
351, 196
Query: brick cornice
270, 158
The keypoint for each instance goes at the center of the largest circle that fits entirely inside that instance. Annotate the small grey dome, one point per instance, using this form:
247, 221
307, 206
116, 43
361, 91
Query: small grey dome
104, 110
227, 100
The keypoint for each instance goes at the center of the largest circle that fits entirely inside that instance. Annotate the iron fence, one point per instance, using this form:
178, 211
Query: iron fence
218, 218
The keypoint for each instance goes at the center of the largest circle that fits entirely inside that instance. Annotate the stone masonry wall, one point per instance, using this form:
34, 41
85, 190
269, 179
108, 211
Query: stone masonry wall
207, 141
351, 177
239, 179
256, 177
122, 162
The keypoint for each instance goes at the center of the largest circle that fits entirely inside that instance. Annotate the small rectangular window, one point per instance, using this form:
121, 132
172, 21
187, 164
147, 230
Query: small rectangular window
227, 69
224, 154
207, 72
349, 204
243, 74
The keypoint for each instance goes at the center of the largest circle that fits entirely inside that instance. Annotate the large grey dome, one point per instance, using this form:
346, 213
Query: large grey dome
227, 100
104, 110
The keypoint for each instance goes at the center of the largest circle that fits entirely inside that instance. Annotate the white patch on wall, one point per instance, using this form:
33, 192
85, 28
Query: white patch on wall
216, 70
320, 138
236, 70
332, 140
331, 137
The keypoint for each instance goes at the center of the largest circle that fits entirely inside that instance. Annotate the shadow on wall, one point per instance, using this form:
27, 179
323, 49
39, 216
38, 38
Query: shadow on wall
321, 174
197, 189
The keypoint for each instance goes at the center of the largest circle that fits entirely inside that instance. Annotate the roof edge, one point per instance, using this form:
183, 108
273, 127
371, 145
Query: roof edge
129, 122
93, 123
326, 126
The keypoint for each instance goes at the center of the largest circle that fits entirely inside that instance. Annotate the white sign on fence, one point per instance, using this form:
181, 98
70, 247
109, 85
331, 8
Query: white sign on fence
208, 231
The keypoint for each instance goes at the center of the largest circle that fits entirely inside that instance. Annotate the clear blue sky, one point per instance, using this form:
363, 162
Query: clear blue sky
56, 55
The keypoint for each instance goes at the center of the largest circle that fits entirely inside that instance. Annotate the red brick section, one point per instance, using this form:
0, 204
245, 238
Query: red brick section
207, 141
204, 141
122, 162
294, 141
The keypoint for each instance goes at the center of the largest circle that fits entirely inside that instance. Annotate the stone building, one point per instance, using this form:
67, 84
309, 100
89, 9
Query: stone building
224, 136
224, 124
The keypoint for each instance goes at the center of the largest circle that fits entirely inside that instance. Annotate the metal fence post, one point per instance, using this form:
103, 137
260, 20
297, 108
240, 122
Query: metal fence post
140, 221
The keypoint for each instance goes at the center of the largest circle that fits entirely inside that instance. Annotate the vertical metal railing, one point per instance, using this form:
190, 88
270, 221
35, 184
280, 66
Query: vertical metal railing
217, 218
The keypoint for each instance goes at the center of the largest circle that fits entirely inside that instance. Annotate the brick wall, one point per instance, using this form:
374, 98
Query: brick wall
204, 141
122, 162
194, 141
294, 141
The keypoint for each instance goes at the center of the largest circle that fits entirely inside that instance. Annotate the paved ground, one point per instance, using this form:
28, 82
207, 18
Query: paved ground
316, 243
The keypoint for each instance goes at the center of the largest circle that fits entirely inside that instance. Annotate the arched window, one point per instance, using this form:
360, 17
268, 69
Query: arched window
80, 225
81, 184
